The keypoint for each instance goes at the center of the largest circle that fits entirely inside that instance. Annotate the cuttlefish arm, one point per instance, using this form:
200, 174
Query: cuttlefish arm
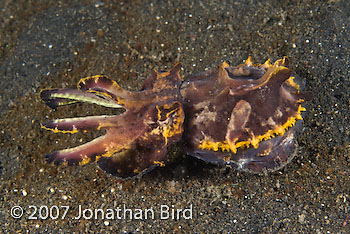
136, 140
59, 97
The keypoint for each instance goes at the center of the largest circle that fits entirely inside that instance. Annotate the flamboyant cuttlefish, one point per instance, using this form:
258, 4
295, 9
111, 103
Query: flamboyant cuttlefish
245, 116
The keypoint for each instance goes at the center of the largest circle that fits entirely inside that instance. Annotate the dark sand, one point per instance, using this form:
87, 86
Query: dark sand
46, 44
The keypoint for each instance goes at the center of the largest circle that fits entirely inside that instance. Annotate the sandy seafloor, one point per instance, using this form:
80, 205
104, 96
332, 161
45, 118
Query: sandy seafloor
47, 44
